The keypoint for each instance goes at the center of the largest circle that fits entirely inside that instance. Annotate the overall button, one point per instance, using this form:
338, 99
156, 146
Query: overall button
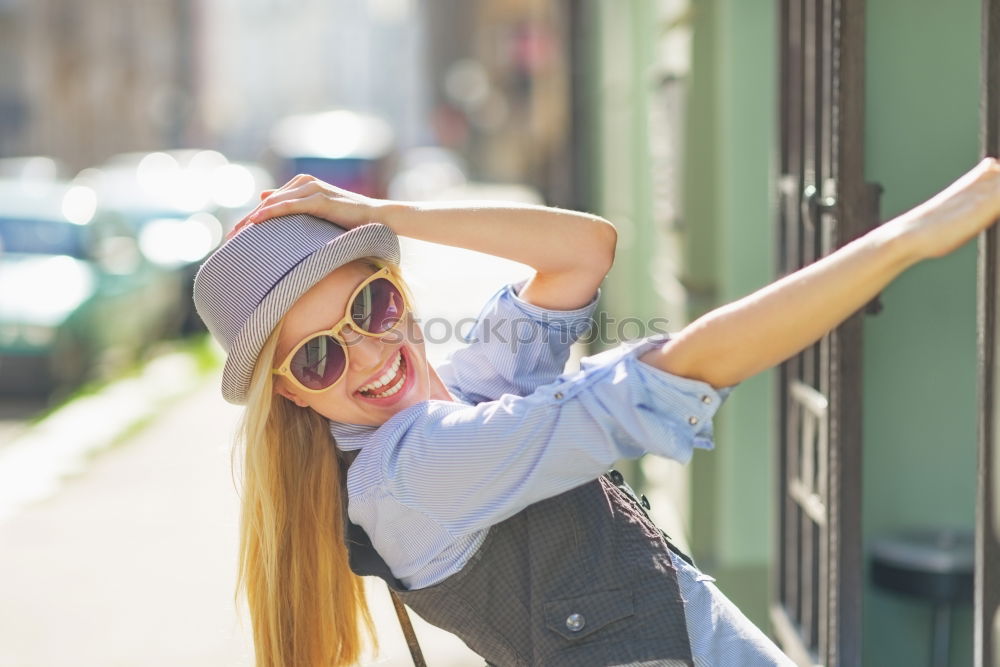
575, 622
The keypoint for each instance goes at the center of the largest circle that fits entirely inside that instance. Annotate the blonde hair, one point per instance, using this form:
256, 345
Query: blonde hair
307, 607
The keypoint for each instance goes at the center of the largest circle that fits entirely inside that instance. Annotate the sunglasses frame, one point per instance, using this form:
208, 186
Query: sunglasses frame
284, 369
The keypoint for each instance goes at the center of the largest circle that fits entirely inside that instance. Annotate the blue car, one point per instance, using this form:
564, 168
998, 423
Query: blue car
77, 297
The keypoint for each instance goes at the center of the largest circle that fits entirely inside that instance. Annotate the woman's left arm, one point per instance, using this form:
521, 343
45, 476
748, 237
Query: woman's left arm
571, 252
758, 331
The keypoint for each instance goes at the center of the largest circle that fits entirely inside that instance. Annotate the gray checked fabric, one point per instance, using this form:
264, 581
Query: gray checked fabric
582, 579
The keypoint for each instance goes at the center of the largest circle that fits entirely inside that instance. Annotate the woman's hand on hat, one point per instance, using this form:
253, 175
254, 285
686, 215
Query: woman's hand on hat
308, 194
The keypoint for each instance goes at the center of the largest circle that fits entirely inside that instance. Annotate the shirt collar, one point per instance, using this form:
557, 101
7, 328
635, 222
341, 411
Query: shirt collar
350, 437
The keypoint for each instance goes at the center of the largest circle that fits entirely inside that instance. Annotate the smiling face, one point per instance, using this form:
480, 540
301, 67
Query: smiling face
383, 375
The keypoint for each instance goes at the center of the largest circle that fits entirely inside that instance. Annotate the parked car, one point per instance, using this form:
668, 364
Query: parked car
178, 203
346, 148
76, 294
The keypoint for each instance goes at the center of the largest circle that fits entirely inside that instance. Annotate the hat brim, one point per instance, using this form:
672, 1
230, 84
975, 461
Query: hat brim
370, 240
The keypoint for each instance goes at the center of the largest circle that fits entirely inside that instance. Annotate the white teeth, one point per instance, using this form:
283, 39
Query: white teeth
396, 387
388, 375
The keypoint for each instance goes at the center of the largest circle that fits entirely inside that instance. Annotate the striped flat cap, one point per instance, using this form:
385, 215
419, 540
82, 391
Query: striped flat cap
248, 284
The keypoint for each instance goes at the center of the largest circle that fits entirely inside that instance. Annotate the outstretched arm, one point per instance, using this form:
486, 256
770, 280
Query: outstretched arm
570, 252
740, 339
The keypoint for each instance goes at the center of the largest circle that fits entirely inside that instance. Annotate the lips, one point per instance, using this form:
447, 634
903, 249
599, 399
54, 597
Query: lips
389, 382
392, 382
385, 378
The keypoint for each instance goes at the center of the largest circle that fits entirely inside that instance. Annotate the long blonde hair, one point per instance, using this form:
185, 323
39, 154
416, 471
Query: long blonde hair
307, 607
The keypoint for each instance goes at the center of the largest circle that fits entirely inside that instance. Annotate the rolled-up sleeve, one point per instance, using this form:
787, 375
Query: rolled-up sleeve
513, 347
662, 413
469, 467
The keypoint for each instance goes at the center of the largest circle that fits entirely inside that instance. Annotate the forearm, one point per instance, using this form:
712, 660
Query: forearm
571, 252
549, 240
736, 341
740, 339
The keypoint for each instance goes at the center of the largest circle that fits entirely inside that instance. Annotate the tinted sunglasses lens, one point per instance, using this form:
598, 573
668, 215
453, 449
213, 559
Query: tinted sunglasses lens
319, 362
378, 307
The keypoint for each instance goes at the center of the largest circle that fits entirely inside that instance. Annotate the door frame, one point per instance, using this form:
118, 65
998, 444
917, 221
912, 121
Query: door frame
987, 574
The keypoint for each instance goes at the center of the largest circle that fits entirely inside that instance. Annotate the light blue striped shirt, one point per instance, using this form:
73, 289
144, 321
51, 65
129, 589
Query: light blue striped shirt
427, 485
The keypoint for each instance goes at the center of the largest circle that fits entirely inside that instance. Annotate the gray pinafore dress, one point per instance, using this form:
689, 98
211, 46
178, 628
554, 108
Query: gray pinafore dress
577, 580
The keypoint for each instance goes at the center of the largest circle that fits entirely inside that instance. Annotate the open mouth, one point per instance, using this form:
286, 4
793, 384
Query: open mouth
390, 383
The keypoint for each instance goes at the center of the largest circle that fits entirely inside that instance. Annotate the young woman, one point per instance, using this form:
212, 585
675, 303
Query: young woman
476, 489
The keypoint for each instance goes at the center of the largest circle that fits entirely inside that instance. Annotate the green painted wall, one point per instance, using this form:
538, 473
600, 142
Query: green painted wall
922, 105
921, 115
727, 201
746, 261
624, 39
625, 191
727, 239
701, 219
920, 404
726, 233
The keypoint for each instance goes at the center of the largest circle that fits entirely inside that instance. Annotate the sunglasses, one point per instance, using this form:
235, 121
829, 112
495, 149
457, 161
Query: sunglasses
319, 360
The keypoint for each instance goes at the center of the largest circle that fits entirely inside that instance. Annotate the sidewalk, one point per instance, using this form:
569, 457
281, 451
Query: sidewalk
134, 562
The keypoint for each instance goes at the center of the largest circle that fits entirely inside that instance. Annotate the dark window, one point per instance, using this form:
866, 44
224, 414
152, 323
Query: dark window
44, 237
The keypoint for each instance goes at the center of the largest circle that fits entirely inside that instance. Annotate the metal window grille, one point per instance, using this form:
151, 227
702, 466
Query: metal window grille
823, 204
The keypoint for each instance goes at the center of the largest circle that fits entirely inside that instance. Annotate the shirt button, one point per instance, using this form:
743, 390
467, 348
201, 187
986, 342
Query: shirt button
558, 395
706, 399
575, 622
692, 420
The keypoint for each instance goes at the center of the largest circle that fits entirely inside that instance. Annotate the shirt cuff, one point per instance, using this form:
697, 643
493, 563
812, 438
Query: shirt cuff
698, 401
577, 320
688, 404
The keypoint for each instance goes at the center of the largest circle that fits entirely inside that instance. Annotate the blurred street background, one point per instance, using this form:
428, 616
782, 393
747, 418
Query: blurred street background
132, 137
134, 134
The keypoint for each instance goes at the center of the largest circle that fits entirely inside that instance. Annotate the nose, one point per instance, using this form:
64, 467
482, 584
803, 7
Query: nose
366, 353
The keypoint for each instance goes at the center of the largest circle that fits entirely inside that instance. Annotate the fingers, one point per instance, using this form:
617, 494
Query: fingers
245, 222
298, 188
314, 203
292, 183
252, 218
307, 194
305, 183
287, 192
299, 193
298, 180
306, 179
